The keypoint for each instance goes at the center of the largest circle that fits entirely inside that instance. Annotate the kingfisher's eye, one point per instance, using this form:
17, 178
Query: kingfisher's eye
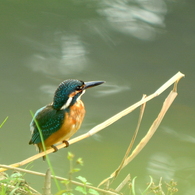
79, 88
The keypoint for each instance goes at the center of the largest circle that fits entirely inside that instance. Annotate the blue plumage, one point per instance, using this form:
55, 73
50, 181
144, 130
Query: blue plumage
63, 91
59, 120
49, 121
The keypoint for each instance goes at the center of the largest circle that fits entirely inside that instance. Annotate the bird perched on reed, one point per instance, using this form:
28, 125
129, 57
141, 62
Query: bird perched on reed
62, 118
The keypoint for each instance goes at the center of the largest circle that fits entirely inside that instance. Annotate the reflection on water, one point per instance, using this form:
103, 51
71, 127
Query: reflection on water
109, 89
48, 90
161, 165
71, 57
58, 38
181, 169
137, 18
178, 135
112, 89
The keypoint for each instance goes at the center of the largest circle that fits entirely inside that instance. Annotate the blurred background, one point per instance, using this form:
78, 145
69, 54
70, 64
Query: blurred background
133, 45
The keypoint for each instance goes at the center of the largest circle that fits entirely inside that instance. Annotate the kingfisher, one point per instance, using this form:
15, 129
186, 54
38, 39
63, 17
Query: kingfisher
59, 120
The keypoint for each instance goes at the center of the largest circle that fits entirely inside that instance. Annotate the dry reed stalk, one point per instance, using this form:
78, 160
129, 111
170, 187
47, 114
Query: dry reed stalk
106, 123
123, 183
7, 167
47, 183
127, 159
132, 139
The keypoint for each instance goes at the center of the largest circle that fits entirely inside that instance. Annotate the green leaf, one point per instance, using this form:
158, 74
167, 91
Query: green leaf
68, 193
64, 192
82, 179
70, 156
133, 186
13, 191
66, 181
16, 175
93, 192
75, 170
80, 161
3, 122
81, 189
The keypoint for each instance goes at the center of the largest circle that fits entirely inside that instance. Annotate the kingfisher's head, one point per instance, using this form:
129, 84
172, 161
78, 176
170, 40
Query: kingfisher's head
71, 90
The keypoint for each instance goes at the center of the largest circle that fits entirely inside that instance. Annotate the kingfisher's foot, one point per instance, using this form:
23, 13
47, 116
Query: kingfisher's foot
66, 143
55, 148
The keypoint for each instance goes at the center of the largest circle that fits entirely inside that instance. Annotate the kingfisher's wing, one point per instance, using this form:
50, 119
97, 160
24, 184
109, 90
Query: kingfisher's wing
48, 120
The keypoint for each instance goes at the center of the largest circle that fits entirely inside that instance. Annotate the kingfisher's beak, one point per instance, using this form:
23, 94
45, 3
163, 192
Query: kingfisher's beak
93, 84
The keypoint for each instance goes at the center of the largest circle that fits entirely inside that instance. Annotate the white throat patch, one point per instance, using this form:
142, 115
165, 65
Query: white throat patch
81, 95
70, 100
67, 103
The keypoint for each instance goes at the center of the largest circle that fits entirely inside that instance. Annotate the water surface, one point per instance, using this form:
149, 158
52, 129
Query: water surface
135, 46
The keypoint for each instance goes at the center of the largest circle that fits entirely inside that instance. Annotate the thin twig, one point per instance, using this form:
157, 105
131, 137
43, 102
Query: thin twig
47, 184
132, 139
123, 183
58, 178
153, 127
167, 103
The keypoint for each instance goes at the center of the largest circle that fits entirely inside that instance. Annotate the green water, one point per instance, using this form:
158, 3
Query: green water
135, 46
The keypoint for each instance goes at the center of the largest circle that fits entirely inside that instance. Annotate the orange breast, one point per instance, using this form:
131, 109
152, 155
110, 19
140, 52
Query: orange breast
72, 123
